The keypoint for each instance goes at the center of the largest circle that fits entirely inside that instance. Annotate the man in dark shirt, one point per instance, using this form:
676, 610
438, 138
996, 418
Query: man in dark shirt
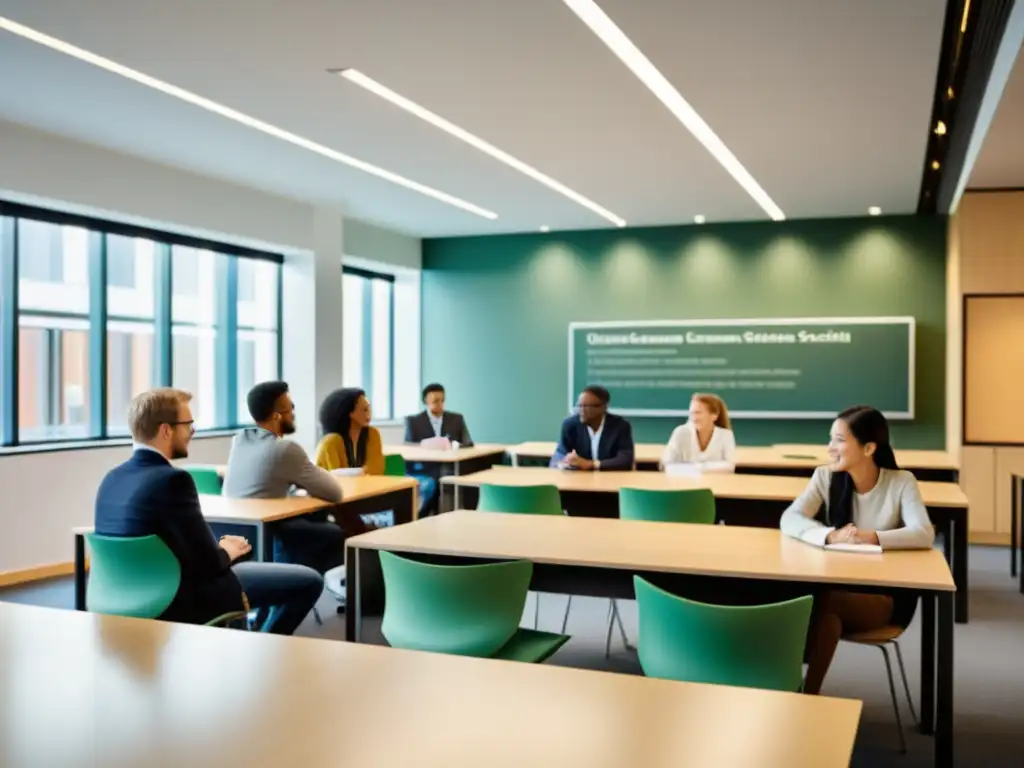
148, 495
594, 439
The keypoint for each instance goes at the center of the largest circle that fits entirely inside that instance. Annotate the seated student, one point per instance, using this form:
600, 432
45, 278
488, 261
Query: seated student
435, 421
148, 496
705, 440
595, 439
432, 422
262, 465
861, 497
349, 442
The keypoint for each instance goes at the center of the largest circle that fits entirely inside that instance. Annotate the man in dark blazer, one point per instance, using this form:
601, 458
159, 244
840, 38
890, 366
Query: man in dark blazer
147, 495
435, 421
594, 440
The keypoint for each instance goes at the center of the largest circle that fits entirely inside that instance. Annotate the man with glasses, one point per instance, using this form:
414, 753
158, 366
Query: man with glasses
594, 440
147, 495
262, 465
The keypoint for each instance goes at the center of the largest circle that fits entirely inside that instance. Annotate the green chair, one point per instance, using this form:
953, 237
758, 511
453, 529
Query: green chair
465, 610
394, 465
136, 576
684, 505
520, 499
525, 500
759, 646
207, 480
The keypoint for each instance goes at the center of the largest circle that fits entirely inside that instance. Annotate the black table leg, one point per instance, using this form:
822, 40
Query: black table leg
353, 603
944, 699
958, 531
79, 572
1014, 512
927, 663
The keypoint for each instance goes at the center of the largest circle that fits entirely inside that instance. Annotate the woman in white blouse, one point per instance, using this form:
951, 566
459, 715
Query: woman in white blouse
705, 440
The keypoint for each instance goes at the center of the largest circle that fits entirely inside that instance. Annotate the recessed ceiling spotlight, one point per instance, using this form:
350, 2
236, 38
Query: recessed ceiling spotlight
940, 128
698, 219
545, 228
874, 210
356, 77
609, 33
936, 165
239, 117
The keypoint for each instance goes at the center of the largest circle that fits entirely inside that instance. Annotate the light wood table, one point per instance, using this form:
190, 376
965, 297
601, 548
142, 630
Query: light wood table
749, 500
362, 495
796, 460
599, 557
460, 461
87, 690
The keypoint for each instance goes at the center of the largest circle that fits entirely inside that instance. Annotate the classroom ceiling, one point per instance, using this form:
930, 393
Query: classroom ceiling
825, 102
1000, 162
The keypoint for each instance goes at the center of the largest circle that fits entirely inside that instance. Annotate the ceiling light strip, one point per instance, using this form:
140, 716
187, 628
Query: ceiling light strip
378, 89
239, 117
601, 25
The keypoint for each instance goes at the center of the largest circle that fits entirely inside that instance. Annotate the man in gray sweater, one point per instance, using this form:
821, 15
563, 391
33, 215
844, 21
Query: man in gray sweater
263, 466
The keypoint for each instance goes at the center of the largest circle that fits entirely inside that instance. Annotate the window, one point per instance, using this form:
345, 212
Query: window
368, 337
258, 332
53, 331
99, 312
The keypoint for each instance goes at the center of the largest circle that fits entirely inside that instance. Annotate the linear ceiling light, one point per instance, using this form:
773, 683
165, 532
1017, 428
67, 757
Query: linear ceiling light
278, 133
610, 34
363, 81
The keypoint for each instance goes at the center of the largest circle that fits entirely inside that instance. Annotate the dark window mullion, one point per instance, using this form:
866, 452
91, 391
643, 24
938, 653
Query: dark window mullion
9, 331
163, 346
97, 334
367, 362
226, 345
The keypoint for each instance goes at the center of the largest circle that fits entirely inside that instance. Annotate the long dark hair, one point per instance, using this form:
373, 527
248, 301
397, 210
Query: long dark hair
867, 425
336, 410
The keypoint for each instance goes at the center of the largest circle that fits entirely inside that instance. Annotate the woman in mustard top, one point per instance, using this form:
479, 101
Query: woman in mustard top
348, 439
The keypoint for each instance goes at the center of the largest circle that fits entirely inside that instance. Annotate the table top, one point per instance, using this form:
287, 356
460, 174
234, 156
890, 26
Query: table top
224, 509
764, 457
425, 455
87, 690
699, 550
723, 485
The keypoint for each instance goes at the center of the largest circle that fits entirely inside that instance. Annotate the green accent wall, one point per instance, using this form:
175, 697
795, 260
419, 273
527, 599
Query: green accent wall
496, 309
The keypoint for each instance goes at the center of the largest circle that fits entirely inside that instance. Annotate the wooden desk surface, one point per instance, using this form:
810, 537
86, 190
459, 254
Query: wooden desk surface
272, 510
765, 457
88, 690
416, 453
700, 550
723, 485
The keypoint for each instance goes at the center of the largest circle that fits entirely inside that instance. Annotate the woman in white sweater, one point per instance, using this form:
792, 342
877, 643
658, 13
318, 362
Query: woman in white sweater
861, 497
705, 440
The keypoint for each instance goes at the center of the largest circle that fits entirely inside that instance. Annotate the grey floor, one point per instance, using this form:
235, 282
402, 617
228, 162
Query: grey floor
989, 709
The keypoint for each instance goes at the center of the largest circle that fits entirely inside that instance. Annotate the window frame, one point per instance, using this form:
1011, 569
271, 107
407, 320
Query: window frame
99, 318
367, 334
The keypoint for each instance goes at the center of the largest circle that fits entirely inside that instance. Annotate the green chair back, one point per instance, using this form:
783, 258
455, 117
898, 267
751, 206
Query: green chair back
520, 499
207, 480
466, 610
131, 576
758, 646
394, 465
686, 505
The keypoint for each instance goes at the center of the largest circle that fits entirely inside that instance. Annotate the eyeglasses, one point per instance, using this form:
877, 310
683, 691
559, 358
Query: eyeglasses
191, 424
589, 406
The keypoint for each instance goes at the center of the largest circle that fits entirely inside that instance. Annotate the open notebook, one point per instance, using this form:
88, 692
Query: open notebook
864, 549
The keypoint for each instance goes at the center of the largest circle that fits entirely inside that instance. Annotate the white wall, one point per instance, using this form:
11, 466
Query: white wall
46, 494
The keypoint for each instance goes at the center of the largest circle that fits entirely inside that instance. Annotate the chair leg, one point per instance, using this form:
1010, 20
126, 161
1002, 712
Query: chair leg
622, 627
906, 686
611, 627
536, 610
895, 701
565, 620
316, 617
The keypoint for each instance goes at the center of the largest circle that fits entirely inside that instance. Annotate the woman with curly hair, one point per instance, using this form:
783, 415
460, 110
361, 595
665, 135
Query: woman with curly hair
348, 440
